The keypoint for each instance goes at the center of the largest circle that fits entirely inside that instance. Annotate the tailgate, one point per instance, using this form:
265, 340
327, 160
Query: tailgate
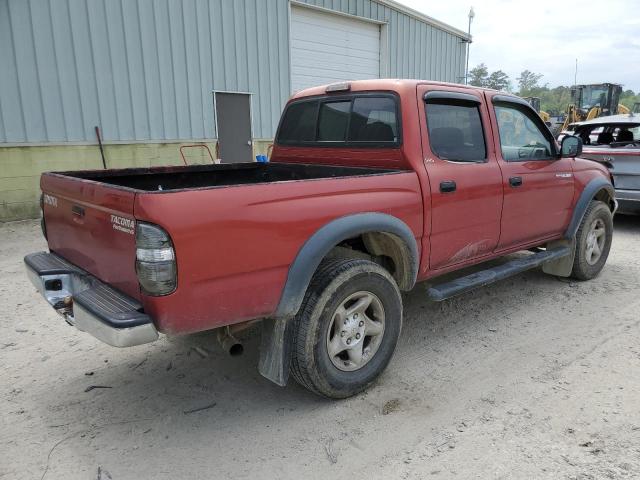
91, 224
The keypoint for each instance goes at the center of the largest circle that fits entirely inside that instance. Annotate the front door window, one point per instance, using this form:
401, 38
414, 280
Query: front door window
520, 137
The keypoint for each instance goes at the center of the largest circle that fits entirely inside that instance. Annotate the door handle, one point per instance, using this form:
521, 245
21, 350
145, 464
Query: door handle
77, 210
515, 181
448, 186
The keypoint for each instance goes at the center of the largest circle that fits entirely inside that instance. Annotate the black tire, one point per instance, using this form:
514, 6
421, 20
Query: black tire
596, 212
333, 283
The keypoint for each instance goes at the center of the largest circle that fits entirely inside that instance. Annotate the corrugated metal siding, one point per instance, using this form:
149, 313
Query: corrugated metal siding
141, 70
145, 69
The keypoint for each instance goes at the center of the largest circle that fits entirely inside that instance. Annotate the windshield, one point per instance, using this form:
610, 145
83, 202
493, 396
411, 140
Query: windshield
593, 96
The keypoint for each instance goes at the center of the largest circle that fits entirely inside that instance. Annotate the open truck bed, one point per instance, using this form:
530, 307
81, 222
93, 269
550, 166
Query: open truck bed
210, 176
235, 229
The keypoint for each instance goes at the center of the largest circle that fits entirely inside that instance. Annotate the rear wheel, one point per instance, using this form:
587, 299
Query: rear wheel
347, 327
593, 241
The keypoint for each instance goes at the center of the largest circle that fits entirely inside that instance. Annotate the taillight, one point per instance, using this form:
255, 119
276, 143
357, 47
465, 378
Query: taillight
43, 225
155, 260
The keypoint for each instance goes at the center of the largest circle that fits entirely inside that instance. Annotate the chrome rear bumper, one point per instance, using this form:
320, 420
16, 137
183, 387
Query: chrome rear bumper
89, 304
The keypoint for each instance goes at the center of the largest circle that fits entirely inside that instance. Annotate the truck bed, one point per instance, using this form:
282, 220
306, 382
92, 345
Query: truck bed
208, 176
90, 219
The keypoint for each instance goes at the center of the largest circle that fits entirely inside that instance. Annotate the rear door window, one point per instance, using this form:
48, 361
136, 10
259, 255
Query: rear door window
455, 131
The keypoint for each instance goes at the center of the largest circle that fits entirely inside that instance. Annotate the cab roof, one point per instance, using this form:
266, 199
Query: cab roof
392, 84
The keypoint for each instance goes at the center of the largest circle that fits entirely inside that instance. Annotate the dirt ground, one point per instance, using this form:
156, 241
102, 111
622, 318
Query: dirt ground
532, 377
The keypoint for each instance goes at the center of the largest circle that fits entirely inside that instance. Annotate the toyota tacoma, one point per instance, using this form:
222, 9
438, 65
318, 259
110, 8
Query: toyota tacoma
371, 187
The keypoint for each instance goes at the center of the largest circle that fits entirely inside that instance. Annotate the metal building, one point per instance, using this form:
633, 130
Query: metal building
155, 74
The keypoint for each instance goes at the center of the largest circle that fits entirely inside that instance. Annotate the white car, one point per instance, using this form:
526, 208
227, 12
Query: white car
614, 141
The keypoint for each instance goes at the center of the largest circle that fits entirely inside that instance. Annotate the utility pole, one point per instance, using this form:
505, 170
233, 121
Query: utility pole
466, 71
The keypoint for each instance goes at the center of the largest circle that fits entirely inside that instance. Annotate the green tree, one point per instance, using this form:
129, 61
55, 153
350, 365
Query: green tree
553, 100
479, 75
498, 80
527, 81
628, 98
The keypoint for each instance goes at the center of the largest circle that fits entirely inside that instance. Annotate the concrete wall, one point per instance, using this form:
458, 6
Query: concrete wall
20, 167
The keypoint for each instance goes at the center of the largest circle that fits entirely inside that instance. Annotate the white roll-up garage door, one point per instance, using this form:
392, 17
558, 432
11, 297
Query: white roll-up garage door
328, 48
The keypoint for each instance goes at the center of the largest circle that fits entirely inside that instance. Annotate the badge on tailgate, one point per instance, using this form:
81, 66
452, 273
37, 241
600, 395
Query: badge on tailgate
50, 200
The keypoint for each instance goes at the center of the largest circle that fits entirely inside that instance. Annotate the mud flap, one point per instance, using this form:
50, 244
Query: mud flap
562, 266
275, 350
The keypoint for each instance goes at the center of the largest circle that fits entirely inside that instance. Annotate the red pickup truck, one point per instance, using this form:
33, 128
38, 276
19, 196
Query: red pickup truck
372, 186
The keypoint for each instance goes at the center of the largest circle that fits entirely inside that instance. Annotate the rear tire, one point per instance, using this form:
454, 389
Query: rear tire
347, 328
593, 241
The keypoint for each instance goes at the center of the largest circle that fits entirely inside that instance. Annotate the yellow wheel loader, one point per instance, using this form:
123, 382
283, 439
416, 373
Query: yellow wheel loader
593, 101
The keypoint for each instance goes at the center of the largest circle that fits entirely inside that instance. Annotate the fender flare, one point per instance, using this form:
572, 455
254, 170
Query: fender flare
325, 239
590, 191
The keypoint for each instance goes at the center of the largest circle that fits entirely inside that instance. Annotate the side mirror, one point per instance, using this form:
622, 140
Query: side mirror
571, 146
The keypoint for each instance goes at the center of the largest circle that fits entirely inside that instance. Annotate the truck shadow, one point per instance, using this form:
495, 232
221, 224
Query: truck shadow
177, 383
170, 393
190, 378
627, 224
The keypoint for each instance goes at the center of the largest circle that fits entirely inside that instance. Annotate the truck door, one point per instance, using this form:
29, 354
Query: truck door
465, 179
538, 185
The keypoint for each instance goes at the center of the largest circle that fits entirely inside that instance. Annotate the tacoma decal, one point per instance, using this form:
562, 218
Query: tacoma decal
122, 224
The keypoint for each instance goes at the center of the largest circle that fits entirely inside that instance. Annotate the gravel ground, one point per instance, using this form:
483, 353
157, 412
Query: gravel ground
532, 377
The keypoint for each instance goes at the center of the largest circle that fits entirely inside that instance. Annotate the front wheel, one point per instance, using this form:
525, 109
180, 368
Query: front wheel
593, 241
347, 327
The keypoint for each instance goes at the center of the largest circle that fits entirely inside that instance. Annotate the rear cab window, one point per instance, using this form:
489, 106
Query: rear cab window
299, 125
333, 120
354, 120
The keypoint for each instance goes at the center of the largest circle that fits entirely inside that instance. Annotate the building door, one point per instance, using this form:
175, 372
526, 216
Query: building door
327, 48
233, 126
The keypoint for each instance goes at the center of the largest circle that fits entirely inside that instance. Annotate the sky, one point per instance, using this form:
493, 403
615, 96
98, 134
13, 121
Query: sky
547, 36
